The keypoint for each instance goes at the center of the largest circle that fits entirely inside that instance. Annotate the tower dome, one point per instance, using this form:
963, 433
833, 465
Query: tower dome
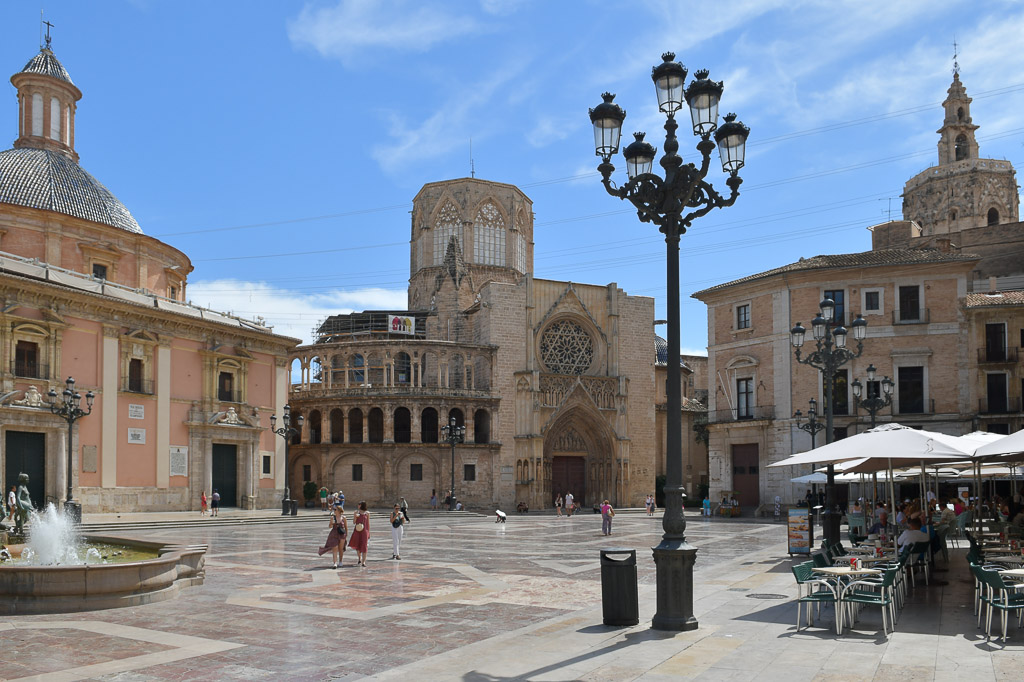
42, 169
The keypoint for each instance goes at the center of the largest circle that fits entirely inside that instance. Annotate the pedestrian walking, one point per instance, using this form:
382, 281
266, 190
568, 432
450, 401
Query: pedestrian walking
558, 504
323, 498
404, 506
202, 503
214, 503
336, 536
397, 532
341, 499
361, 533
433, 499
501, 516
569, 501
650, 505
607, 513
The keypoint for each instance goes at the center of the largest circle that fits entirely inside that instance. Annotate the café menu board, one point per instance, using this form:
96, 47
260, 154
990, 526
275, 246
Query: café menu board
800, 532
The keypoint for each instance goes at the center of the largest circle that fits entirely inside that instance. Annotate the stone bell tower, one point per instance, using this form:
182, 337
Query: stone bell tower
466, 233
963, 191
47, 99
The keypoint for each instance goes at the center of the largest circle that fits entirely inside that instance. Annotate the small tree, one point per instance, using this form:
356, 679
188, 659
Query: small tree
309, 490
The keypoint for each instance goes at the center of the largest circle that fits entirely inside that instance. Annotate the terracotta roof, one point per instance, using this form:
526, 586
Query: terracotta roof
995, 298
863, 259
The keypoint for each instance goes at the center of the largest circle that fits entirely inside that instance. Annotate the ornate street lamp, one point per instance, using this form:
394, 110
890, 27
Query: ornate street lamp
69, 409
873, 403
811, 426
286, 431
451, 433
672, 203
829, 355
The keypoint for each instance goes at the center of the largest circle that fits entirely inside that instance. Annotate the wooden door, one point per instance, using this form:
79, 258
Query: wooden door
569, 475
225, 475
746, 474
25, 453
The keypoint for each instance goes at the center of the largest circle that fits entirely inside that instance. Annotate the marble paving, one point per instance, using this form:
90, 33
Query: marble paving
475, 600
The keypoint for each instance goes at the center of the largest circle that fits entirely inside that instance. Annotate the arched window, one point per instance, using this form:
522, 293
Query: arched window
428, 425
455, 372
357, 371
337, 371
403, 425
460, 419
54, 118
952, 216
337, 426
314, 427
960, 113
375, 425
489, 236
37, 114
960, 148
519, 256
355, 425
993, 216
67, 126
403, 369
375, 370
295, 371
481, 427
297, 438
446, 230
316, 371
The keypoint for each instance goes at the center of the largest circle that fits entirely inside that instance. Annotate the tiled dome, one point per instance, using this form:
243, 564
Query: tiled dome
38, 178
46, 64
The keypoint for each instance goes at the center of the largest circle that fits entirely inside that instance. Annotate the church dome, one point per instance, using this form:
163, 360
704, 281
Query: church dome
51, 181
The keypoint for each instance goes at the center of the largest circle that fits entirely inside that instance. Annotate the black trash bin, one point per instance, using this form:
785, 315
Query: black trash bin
618, 586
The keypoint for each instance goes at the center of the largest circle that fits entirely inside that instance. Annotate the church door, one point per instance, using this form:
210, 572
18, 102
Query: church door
25, 453
569, 475
225, 473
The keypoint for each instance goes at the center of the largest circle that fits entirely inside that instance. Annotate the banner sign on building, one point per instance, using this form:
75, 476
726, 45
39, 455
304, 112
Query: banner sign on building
403, 325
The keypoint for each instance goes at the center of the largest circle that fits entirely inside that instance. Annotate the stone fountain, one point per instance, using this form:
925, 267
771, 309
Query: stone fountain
56, 574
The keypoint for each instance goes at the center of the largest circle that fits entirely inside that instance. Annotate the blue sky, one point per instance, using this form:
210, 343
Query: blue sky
244, 133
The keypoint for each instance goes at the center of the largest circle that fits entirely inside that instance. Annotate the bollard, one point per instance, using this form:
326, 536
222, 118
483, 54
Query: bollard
618, 586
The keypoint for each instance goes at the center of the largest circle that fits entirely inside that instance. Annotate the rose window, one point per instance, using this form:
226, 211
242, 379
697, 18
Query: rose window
566, 348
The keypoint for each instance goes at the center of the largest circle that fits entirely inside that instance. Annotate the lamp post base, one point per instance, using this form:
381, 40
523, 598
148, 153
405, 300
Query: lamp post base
73, 512
674, 560
830, 526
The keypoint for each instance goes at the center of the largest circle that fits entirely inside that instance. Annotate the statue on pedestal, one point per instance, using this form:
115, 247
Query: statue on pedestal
24, 504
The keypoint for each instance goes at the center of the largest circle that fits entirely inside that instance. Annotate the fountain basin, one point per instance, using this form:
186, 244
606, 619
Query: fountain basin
88, 587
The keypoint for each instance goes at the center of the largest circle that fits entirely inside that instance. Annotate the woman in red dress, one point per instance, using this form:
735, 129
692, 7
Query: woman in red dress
360, 534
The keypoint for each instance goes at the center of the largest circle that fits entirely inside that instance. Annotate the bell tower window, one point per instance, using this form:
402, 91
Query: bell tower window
960, 114
961, 149
446, 229
37, 114
54, 118
993, 216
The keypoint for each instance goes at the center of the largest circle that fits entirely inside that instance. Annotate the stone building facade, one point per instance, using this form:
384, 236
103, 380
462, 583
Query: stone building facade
553, 380
181, 392
950, 349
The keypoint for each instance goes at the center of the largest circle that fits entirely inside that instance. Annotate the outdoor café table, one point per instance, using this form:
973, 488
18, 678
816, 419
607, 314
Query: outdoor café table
1013, 572
879, 559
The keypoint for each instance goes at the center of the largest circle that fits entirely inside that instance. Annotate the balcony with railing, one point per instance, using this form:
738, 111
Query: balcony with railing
1000, 405
130, 384
911, 407
30, 369
755, 413
996, 354
226, 395
911, 316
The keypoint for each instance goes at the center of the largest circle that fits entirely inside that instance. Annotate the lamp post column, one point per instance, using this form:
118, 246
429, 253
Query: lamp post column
70, 410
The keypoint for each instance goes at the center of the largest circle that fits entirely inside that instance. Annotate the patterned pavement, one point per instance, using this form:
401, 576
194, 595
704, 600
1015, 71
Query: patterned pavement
475, 600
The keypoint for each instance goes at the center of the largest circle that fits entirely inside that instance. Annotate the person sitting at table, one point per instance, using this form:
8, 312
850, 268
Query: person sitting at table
880, 525
911, 535
948, 515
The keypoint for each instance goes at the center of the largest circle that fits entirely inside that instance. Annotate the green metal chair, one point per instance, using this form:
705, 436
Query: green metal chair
827, 592
856, 595
1000, 597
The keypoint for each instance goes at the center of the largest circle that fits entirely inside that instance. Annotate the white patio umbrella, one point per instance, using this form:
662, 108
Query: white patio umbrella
816, 477
1006, 449
882, 448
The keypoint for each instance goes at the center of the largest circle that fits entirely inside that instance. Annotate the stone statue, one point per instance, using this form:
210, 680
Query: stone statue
24, 504
33, 398
231, 417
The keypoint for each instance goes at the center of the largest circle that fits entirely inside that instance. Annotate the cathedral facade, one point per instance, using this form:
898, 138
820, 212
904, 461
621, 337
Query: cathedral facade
554, 381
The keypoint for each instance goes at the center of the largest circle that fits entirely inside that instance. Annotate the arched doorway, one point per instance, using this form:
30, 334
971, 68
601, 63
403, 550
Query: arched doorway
578, 457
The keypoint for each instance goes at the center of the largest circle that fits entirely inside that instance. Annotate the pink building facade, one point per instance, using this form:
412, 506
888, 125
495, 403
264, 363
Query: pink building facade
183, 394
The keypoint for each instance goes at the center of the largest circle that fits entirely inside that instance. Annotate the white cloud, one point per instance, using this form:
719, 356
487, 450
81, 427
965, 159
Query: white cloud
291, 313
351, 27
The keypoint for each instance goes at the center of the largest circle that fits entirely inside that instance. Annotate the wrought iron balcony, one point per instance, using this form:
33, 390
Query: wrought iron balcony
911, 316
739, 415
137, 385
989, 355
1008, 405
30, 369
